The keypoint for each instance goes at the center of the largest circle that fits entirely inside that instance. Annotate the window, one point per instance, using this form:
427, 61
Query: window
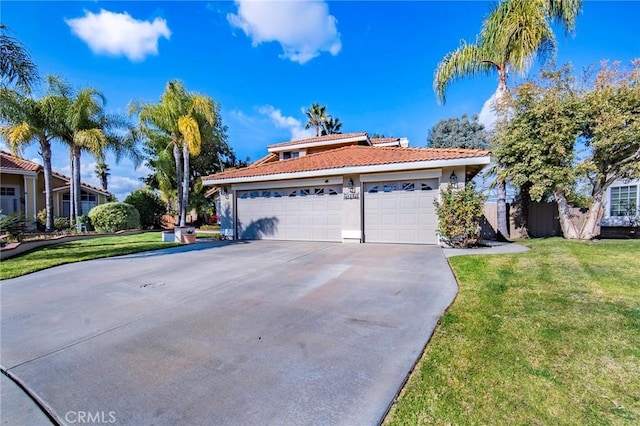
266, 194
87, 202
8, 191
292, 193
254, 194
244, 195
624, 201
409, 186
318, 191
333, 192
425, 187
304, 192
389, 187
276, 194
373, 189
289, 154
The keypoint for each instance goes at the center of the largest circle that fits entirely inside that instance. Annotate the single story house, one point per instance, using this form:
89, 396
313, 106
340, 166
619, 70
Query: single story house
342, 187
22, 189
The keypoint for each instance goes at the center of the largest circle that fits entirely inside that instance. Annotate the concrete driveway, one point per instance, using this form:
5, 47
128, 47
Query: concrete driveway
257, 332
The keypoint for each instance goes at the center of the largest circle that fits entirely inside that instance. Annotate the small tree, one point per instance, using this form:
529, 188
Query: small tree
459, 213
149, 205
458, 133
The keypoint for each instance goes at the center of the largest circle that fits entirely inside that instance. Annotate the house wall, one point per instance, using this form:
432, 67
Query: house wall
351, 209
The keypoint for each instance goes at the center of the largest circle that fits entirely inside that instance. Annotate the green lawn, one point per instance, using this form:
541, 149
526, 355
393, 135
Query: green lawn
77, 251
550, 336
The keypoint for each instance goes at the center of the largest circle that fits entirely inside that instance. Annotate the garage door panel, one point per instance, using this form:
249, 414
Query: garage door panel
296, 214
400, 212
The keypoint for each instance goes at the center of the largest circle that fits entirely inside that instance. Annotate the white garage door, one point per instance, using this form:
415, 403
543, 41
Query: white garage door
401, 211
306, 213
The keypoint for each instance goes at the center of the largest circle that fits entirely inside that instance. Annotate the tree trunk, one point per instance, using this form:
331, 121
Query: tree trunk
501, 187
185, 184
45, 146
569, 229
501, 210
76, 182
522, 218
72, 201
177, 155
588, 231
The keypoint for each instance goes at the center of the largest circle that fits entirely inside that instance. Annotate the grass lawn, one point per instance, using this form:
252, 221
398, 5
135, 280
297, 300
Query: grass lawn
76, 251
550, 336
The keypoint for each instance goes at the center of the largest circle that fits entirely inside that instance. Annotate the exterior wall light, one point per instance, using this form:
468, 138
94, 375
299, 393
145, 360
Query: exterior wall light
453, 180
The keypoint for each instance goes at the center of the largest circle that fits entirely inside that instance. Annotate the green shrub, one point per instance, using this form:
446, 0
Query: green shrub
61, 223
13, 225
41, 219
149, 205
112, 217
459, 213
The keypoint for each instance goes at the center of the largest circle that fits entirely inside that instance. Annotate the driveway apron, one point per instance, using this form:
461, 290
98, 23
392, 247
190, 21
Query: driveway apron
260, 332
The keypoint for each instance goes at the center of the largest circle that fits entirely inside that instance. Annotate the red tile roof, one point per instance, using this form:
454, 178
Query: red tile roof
67, 179
272, 156
11, 162
351, 156
327, 138
376, 141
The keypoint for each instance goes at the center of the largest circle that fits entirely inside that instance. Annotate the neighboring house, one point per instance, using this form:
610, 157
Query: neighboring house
622, 203
344, 187
22, 189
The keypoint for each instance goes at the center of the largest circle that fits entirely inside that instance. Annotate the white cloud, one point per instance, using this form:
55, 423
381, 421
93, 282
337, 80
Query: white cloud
118, 34
304, 29
37, 160
292, 124
487, 115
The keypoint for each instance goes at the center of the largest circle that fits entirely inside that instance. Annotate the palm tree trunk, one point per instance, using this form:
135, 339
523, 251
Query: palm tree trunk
177, 155
72, 200
185, 184
76, 182
501, 187
45, 146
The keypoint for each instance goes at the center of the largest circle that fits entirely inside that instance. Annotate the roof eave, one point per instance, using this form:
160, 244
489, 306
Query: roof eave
276, 148
389, 167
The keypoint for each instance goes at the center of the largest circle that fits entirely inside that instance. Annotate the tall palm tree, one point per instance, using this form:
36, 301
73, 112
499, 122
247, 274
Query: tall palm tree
331, 126
102, 172
26, 121
512, 36
179, 119
316, 115
16, 66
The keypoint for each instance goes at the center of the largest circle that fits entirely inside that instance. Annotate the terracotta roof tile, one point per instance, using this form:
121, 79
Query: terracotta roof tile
334, 137
376, 141
11, 162
272, 156
67, 179
351, 156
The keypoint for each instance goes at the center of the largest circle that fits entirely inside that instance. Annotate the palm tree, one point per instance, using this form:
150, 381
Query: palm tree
16, 66
316, 115
515, 32
179, 119
26, 121
331, 126
102, 172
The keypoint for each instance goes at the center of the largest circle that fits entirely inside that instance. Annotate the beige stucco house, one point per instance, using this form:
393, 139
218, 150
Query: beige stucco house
22, 189
343, 188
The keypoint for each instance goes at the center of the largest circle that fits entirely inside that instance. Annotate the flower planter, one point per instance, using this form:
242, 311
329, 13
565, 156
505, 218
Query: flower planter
185, 234
188, 238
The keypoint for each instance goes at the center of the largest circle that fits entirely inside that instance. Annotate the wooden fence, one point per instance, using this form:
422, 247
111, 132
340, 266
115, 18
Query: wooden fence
543, 220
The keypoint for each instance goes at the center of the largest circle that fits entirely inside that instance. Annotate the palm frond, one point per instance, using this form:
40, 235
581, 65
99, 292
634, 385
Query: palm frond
191, 133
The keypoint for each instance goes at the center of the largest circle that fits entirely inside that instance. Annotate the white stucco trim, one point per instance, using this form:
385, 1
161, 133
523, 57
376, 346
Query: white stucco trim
289, 183
380, 168
18, 172
413, 174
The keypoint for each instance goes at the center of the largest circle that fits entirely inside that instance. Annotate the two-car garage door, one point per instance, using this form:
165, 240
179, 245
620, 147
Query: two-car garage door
400, 211
312, 213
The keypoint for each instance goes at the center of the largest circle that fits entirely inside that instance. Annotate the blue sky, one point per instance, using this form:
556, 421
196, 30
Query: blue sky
370, 63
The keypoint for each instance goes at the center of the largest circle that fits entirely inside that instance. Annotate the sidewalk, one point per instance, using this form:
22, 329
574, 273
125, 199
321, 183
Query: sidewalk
492, 247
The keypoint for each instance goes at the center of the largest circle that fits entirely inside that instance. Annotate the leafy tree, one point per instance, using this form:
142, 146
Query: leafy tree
547, 119
459, 213
179, 120
25, 121
458, 133
16, 66
316, 116
149, 205
377, 135
331, 126
514, 33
